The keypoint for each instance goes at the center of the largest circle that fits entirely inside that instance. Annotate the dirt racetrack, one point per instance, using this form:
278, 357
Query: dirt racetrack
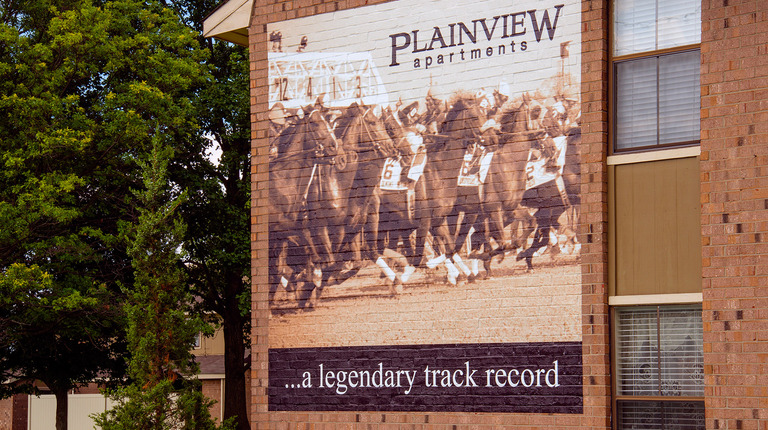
512, 306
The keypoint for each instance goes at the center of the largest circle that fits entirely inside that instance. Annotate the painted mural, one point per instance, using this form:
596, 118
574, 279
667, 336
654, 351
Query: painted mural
424, 201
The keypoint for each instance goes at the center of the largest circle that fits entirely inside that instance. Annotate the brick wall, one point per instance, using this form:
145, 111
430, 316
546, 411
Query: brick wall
13, 412
592, 233
212, 389
6, 413
594, 96
734, 198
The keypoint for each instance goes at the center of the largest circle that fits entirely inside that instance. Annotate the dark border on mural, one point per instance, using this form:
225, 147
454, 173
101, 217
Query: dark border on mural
546, 377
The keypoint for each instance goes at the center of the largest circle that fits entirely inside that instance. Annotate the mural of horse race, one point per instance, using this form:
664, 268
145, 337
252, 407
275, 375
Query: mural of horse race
424, 202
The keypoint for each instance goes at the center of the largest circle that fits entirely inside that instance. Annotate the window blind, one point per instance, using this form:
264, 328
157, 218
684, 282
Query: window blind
642, 25
659, 351
679, 97
660, 415
658, 100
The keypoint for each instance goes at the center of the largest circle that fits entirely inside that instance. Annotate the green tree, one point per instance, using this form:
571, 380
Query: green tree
64, 337
218, 213
82, 85
161, 330
218, 240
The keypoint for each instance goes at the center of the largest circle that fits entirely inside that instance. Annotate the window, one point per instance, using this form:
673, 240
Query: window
658, 355
656, 63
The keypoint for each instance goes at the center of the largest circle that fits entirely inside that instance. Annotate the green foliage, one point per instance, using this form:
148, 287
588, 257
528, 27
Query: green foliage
84, 84
84, 87
146, 411
218, 211
161, 332
41, 325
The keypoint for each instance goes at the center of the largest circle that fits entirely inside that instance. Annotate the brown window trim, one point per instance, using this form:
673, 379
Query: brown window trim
658, 52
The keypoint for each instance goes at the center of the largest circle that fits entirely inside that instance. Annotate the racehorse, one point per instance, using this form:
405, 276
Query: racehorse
382, 200
459, 131
364, 133
501, 192
310, 178
557, 138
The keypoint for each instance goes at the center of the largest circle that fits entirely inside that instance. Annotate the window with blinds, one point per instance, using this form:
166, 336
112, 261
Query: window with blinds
659, 367
656, 64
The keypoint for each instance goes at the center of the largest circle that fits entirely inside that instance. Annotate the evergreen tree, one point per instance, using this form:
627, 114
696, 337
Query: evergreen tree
161, 331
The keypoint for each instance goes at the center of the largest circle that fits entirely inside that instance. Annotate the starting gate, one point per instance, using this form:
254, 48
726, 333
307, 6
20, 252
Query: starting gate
298, 79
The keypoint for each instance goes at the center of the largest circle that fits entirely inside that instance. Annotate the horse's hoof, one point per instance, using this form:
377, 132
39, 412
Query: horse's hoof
317, 277
396, 287
407, 273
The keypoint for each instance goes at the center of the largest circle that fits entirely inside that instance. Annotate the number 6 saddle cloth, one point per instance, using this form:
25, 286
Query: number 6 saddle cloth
394, 177
474, 169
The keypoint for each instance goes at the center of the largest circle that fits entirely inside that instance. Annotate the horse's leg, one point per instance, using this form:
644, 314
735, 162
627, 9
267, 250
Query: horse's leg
573, 245
522, 226
392, 255
423, 223
276, 265
384, 236
555, 228
328, 267
469, 201
313, 272
497, 230
541, 236
468, 222
410, 257
481, 236
442, 234
371, 234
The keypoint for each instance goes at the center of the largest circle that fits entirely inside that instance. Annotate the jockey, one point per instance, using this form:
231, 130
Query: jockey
547, 128
277, 123
414, 153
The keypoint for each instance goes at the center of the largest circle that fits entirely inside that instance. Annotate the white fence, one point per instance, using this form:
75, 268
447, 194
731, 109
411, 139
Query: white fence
42, 411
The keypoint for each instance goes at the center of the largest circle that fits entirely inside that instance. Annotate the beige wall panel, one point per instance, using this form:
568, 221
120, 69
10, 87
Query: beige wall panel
42, 411
212, 345
657, 213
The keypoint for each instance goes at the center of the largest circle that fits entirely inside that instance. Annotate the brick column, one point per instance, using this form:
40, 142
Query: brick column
594, 214
734, 212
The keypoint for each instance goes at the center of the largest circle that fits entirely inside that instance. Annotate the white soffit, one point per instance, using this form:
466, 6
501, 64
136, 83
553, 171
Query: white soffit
229, 21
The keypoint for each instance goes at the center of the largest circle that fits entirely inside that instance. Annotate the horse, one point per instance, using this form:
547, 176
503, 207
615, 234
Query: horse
557, 139
392, 191
310, 177
363, 133
500, 194
443, 197
403, 195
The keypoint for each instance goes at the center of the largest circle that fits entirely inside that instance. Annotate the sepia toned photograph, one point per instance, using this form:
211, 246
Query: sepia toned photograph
424, 169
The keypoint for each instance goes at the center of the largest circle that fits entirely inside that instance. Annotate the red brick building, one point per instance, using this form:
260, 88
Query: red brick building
672, 297
654, 316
